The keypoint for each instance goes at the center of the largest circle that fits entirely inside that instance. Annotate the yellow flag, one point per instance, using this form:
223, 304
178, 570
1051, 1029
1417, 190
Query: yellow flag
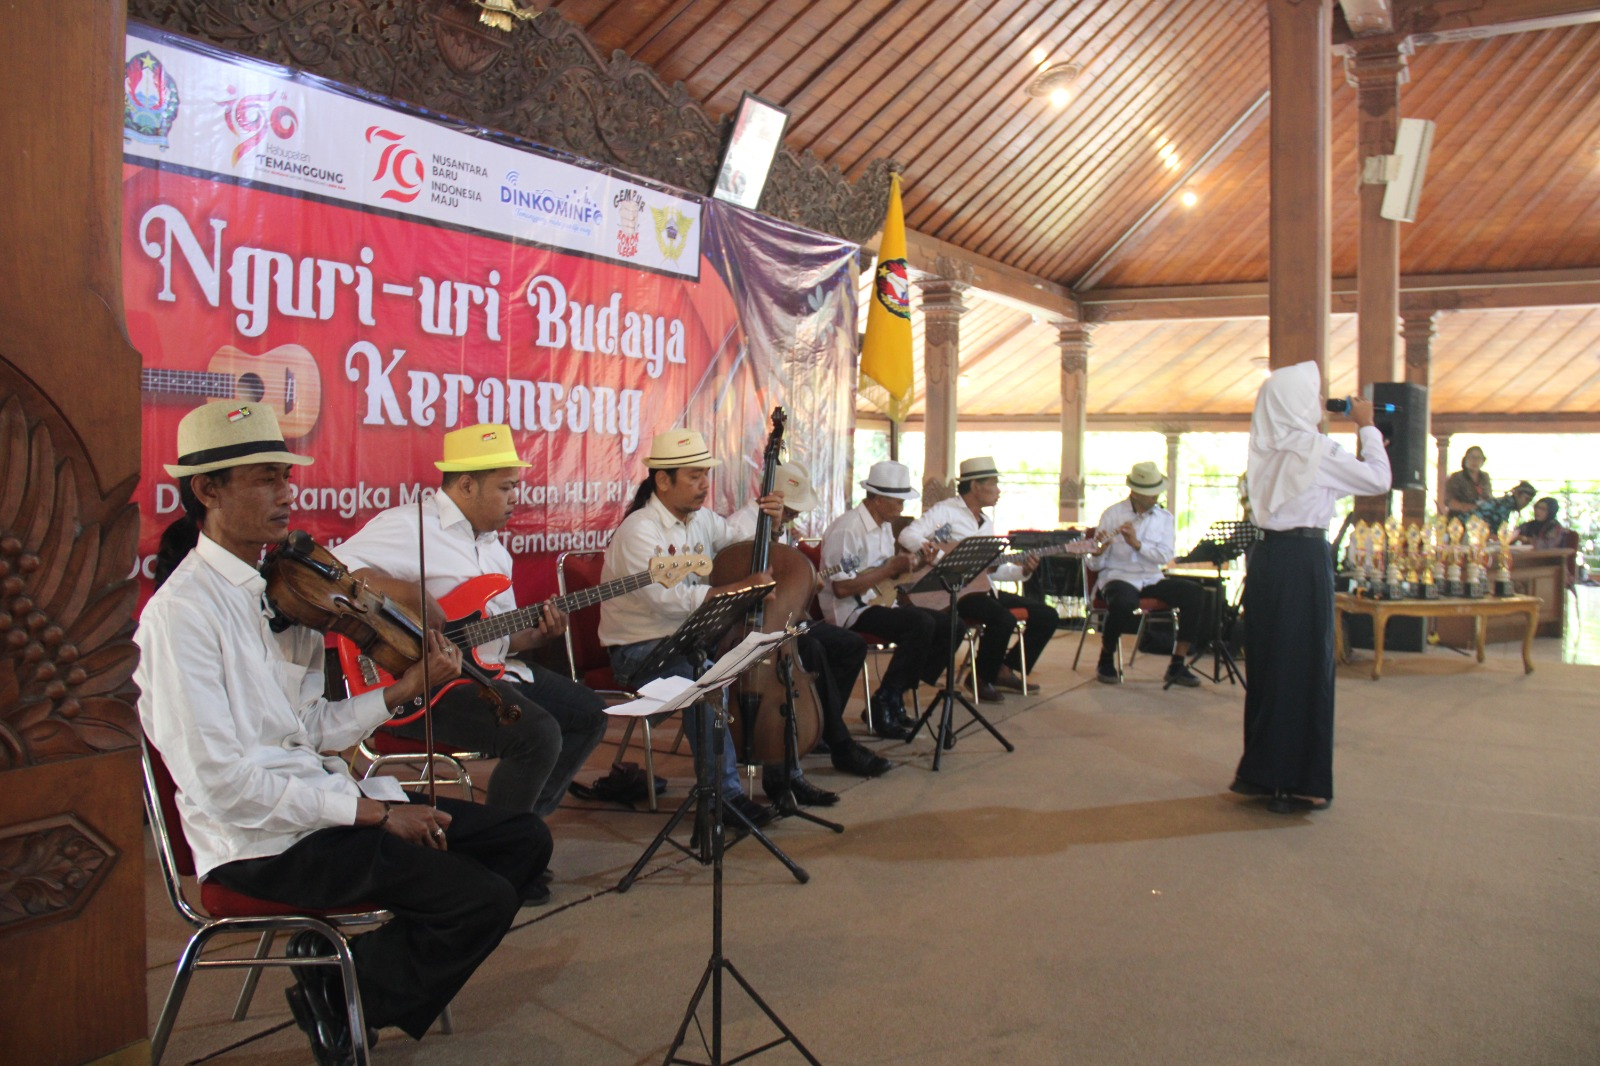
886, 349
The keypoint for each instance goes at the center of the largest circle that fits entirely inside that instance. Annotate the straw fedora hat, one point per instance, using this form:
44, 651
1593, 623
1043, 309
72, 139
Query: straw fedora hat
892, 479
1146, 479
215, 436
978, 468
678, 448
793, 480
486, 446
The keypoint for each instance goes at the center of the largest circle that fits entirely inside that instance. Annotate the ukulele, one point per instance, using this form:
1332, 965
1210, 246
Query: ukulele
284, 378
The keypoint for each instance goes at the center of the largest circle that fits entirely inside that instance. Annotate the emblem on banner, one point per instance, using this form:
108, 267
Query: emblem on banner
251, 118
893, 288
629, 205
149, 101
672, 231
400, 168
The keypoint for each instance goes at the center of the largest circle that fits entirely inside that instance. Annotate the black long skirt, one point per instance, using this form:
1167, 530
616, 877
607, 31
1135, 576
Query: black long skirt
1288, 708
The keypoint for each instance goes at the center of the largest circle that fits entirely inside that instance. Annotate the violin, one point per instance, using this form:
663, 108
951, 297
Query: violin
760, 728
308, 585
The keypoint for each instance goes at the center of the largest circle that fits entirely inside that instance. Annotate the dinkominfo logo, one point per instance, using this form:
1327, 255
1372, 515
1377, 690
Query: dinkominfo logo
401, 170
571, 209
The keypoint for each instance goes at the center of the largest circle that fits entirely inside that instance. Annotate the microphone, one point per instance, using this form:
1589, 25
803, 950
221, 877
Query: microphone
1342, 407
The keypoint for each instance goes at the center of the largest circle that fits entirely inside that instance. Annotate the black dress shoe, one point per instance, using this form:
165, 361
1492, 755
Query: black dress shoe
317, 1000
1248, 788
322, 1041
804, 792
858, 761
988, 693
536, 894
889, 719
1010, 681
757, 814
1106, 672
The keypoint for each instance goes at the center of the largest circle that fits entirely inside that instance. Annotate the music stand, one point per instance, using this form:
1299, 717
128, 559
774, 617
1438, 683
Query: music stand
784, 802
959, 566
1223, 542
693, 640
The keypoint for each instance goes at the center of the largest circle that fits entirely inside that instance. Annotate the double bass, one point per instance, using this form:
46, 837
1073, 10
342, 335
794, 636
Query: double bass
759, 727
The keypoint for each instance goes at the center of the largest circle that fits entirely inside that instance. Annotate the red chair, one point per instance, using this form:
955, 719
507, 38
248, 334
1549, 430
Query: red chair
1149, 607
222, 910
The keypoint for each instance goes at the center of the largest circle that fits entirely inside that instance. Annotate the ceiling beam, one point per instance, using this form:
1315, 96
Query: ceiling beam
1367, 17
1419, 292
1449, 21
926, 256
1189, 422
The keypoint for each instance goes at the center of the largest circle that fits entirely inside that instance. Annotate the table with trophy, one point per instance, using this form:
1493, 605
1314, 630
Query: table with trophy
1445, 568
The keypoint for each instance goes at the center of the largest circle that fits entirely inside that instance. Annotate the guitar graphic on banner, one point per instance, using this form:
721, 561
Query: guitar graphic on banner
468, 627
284, 378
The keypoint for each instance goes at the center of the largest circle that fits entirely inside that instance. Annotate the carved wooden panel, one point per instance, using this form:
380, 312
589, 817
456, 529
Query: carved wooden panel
544, 81
49, 869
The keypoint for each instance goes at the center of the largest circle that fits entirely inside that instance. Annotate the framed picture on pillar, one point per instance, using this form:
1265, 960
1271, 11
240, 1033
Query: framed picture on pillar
752, 145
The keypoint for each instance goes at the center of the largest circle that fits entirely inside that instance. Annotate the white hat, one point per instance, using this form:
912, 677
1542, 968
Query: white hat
215, 436
892, 479
793, 480
1146, 479
486, 446
678, 448
976, 469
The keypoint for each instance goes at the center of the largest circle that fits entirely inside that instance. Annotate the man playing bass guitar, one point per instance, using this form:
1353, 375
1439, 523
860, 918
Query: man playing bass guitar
562, 721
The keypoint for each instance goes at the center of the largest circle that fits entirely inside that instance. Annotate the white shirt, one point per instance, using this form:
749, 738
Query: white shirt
655, 612
854, 542
1339, 474
238, 715
455, 554
953, 520
1156, 533
742, 523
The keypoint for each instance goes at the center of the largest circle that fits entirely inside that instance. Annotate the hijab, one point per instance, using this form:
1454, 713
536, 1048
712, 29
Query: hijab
1286, 441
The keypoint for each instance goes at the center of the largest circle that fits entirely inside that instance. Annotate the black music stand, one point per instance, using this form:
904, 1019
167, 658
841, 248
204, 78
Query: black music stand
1223, 542
951, 574
784, 802
693, 640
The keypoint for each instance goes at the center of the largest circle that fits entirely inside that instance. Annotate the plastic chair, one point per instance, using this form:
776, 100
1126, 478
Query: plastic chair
589, 662
1149, 607
222, 910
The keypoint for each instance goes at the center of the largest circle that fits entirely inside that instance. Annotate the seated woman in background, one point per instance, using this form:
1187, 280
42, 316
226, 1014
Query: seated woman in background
1469, 486
1544, 531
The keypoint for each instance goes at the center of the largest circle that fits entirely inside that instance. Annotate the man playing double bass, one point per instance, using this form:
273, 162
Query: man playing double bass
235, 711
668, 517
561, 721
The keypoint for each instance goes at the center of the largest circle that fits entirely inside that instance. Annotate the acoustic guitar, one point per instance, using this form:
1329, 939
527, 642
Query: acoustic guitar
284, 378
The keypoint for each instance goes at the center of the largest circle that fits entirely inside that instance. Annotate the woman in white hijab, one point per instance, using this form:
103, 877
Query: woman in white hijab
1296, 475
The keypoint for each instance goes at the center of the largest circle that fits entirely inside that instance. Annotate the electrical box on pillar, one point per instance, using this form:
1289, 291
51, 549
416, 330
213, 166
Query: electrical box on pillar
1411, 145
1404, 429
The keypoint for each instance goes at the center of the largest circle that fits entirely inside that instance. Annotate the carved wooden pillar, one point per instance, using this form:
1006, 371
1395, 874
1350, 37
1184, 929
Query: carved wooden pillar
1377, 76
1174, 455
1419, 328
1073, 340
1298, 280
72, 943
942, 309
1442, 471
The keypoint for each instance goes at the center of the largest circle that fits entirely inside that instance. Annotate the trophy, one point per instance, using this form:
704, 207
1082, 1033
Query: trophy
1454, 551
1502, 574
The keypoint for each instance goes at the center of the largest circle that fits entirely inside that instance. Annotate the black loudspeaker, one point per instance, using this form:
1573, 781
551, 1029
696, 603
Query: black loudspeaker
1406, 430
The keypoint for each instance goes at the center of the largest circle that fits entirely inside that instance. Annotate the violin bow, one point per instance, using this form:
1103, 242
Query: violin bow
427, 686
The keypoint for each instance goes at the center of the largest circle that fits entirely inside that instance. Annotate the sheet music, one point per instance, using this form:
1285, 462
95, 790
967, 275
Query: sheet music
665, 694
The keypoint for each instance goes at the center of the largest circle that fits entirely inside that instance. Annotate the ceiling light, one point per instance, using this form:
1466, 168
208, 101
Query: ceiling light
1060, 97
1189, 199
1038, 55
1054, 79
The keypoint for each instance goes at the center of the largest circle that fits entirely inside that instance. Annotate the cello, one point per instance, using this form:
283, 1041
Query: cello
759, 729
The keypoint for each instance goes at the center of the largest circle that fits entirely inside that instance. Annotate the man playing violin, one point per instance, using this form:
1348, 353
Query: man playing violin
561, 721
235, 707
668, 517
949, 521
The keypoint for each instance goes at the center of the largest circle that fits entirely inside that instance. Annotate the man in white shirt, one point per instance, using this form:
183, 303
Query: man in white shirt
668, 517
860, 596
236, 712
1136, 539
956, 519
561, 721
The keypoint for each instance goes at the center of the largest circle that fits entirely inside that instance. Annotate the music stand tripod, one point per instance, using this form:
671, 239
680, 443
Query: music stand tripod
951, 574
784, 802
693, 640
1223, 542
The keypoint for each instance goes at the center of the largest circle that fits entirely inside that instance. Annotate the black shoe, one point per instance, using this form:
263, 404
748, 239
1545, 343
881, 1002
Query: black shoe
888, 716
1010, 681
1248, 788
318, 995
858, 761
1180, 674
821, 748
804, 792
536, 894
323, 1042
757, 814
1106, 672
988, 693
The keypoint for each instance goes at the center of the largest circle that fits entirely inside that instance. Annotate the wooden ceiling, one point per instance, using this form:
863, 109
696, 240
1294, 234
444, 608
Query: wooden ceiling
1082, 203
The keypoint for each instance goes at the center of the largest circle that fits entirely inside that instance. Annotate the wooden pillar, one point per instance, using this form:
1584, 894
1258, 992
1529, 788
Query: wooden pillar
1419, 328
1174, 440
1073, 340
1442, 442
1298, 279
1376, 76
942, 309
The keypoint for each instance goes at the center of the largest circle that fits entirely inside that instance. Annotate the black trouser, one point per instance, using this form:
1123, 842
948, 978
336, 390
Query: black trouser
835, 655
921, 637
994, 611
540, 753
450, 907
1122, 599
